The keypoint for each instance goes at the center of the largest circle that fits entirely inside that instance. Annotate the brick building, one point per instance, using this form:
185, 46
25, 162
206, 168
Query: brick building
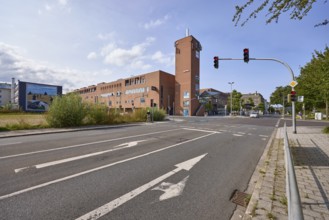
252, 99
177, 94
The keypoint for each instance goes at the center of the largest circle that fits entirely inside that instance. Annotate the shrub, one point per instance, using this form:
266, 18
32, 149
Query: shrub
139, 115
97, 114
326, 130
158, 114
66, 111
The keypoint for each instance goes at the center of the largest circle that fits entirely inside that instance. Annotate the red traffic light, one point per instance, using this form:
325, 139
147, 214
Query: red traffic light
246, 55
216, 62
293, 92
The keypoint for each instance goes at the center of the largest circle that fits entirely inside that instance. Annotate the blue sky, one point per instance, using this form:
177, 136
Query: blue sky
79, 43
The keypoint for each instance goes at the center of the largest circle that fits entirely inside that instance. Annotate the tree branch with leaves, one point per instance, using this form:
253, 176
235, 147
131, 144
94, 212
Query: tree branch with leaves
298, 10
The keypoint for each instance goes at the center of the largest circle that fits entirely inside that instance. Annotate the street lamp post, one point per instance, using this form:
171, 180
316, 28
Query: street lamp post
231, 83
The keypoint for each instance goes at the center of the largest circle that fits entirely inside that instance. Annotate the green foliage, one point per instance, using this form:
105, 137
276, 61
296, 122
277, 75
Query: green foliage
280, 95
158, 114
298, 10
9, 108
66, 111
96, 114
236, 97
326, 130
139, 115
261, 106
208, 106
314, 81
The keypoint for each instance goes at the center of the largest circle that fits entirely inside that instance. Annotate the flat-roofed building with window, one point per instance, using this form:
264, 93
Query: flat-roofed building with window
177, 94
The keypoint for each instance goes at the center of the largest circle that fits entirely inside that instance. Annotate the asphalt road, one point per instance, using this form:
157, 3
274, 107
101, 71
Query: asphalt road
181, 169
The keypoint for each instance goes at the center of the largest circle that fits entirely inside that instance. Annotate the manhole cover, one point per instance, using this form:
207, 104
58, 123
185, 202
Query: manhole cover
240, 198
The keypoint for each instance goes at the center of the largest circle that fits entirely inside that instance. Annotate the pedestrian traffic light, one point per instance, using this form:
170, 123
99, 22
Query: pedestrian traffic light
216, 62
293, 96
246, 55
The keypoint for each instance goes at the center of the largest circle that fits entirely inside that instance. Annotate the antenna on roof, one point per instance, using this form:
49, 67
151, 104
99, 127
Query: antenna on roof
187, 33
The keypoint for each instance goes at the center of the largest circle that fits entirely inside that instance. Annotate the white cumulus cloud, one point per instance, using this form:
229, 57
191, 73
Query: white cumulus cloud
167, 59
14, 65
92, 56
156, 23
132, 56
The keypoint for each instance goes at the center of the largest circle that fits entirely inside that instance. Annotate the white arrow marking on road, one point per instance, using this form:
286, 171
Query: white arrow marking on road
119, 147
103, 210
171, 190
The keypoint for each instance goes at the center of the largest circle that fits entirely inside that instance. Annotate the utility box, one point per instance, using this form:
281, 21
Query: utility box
318, 116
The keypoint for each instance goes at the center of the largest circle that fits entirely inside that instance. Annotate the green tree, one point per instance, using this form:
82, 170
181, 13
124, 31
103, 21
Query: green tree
279, 96
236, 97
314, 81
261, 107
298, 10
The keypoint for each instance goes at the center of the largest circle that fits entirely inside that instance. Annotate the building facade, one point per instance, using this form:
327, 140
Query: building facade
5, 94
252, 100
177, 94
146, 90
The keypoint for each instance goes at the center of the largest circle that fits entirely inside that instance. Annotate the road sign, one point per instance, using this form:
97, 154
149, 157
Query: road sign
293, 84
300, 99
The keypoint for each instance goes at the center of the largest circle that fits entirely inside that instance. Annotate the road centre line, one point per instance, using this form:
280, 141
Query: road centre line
97, 168
85, 144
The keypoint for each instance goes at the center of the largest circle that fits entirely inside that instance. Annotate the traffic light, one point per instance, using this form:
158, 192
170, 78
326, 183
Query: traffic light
216, 62
293, 96
246, 55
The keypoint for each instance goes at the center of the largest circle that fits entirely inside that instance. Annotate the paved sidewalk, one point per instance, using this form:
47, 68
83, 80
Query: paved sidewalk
310, 150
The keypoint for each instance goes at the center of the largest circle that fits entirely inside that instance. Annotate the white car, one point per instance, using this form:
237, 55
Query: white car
254, 115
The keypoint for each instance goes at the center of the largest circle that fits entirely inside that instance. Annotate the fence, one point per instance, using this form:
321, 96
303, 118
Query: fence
295, 211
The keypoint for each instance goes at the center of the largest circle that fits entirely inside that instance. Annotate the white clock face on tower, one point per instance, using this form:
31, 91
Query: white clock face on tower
197, 54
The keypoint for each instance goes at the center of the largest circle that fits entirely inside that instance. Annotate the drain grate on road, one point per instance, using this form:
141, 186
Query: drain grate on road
240, 198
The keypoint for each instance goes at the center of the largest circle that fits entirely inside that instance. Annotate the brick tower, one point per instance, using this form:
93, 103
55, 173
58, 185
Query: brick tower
187, 75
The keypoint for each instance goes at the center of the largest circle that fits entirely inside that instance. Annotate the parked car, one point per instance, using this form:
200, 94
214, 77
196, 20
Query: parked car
254, 115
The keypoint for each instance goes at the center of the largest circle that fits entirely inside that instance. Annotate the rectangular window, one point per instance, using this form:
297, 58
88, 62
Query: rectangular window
186, 103
186, 95
161, 91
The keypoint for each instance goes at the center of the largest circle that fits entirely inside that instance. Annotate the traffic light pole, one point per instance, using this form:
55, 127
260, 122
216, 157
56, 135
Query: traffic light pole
293, 108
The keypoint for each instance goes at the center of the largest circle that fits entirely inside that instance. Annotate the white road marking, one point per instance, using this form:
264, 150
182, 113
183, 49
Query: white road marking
263, 135
52, 163
96, 169
241, 133
171, 190
105, 209
85, 144
238, 135
192, 129
10, 143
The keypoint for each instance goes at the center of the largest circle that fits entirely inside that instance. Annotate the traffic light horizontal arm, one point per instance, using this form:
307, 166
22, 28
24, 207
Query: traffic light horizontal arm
272, 59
